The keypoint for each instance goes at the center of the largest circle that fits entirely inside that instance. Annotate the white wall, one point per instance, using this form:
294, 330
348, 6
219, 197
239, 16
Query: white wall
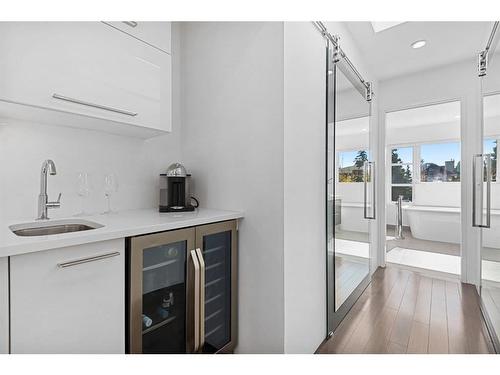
304, 188
232, 141
136, 163
424, 133
445, 194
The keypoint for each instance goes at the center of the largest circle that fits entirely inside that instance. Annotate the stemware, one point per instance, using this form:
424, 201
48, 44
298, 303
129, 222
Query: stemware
110, 187
83, 191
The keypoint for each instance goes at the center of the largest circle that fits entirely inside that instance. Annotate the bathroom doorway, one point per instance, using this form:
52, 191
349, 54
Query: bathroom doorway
423, 190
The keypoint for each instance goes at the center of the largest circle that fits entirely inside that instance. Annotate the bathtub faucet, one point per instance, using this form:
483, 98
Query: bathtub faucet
399, 218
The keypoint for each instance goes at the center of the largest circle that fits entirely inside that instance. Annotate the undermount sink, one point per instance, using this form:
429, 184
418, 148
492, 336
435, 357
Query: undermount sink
47, 228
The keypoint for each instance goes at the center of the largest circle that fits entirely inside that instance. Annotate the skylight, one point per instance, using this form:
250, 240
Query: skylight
381, 26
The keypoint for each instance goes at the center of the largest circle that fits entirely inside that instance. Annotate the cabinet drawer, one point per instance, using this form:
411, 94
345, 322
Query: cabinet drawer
69, 300
157, 34
86, 68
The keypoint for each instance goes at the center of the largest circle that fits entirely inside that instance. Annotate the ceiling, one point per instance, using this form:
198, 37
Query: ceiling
388, 52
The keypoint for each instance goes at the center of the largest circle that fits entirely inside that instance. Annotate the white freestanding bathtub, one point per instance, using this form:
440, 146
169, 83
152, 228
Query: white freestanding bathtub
442, 224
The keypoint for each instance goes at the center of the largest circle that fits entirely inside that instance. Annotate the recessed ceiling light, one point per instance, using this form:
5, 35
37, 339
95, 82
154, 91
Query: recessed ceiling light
418, 44
330, 72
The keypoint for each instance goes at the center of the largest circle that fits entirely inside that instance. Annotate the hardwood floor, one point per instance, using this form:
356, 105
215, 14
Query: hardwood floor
405, 312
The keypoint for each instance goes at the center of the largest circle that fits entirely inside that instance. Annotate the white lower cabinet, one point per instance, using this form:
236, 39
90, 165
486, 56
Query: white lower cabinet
69, 300
4, 306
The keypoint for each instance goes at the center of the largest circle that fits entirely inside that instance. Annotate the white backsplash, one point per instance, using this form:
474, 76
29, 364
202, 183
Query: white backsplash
135, 162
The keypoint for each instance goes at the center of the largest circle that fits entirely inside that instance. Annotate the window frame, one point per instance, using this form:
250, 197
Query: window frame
416, 178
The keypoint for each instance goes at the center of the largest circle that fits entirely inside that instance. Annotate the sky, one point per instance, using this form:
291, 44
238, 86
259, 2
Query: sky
439, 153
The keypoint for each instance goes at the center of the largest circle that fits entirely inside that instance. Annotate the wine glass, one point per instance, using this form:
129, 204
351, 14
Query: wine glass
110, 187
83, 191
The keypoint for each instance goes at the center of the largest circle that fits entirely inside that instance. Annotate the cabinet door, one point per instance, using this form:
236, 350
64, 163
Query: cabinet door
69, 300
86, 68
160, 300
218, 246
4, 306
157, 34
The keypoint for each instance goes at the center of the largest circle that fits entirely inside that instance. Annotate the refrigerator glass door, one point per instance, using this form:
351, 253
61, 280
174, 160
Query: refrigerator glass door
161, 304
217, 244
164, 298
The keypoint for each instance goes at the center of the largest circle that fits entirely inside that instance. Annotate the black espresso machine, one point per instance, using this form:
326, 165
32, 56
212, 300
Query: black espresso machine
175, 191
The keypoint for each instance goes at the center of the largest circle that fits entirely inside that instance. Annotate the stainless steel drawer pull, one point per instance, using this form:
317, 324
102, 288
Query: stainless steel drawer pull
88, 104
130, 23
87, 260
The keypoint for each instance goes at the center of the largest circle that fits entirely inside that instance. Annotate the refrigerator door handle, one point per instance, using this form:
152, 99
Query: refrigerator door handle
202, 298
196, 322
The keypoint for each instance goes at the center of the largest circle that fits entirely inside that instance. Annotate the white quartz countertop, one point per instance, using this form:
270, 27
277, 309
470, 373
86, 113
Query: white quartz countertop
115, 225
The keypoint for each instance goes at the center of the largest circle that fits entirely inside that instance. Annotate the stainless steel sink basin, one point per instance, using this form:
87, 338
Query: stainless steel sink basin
47, 228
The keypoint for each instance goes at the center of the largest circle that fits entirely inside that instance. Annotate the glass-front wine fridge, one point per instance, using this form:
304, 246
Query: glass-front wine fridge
182, 290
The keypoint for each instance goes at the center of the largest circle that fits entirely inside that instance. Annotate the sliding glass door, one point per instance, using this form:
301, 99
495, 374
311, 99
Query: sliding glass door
350, 187
487, 193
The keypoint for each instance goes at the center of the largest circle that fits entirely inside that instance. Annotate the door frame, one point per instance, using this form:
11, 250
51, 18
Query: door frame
468, 146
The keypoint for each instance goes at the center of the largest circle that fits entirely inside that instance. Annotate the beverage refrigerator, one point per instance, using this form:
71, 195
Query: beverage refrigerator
182, 290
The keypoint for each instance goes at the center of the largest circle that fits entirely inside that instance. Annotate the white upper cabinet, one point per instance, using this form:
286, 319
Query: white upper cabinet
109, 80
156, 34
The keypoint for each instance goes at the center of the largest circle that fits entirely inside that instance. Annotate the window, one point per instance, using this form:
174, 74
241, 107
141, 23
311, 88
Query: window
402, 173
491, 147
440, 162
351, 165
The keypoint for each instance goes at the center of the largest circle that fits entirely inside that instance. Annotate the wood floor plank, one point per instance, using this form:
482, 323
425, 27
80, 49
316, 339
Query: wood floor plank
419, 338
423, 303
438, 327
396, 295
457, 340
379, 338
401, 330
394, 348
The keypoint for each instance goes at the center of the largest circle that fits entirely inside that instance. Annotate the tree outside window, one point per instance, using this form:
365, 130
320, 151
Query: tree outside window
351, 165
402, 173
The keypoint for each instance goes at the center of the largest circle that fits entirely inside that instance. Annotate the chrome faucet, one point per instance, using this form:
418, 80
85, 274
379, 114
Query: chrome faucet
48, 166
